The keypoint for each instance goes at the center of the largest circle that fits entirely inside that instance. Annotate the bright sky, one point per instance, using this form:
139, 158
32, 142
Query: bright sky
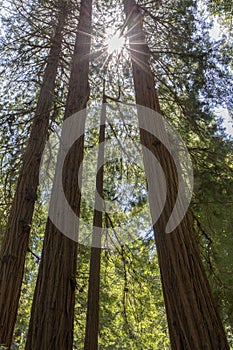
215, 33
114, 40
227, 119
115, 43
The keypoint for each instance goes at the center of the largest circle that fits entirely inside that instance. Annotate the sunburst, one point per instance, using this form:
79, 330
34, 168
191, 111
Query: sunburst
114, 41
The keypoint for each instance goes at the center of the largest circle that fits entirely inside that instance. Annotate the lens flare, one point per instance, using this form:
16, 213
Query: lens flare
115, 42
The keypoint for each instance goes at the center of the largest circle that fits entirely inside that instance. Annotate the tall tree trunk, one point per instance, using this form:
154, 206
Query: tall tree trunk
52, 315
193, 319
15, 242
92, 321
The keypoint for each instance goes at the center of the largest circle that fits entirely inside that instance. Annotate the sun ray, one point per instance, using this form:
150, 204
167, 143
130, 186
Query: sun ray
104, 63
115, 43
133, 26
85, 33
140, 64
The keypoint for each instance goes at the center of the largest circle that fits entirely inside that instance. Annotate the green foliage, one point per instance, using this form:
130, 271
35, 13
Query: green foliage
131, 299
213, 205
192, 77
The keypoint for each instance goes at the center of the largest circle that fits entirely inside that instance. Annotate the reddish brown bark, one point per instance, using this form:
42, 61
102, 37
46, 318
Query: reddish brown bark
52, 316
92, 321
15, 242
193, 318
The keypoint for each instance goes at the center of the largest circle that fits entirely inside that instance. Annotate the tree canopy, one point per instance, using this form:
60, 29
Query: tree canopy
192, 75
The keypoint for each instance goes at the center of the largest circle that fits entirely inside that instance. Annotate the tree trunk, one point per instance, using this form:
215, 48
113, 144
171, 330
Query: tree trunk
193, 319
15, 242
92, 321
52, 315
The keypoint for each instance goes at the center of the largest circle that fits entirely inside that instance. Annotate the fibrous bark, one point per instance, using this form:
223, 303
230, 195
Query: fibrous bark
52, 316
193, 318
16, 238
92, 320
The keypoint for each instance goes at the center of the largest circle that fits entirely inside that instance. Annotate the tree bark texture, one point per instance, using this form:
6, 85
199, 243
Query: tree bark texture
92, 320
193, 318
16, 239
52, 315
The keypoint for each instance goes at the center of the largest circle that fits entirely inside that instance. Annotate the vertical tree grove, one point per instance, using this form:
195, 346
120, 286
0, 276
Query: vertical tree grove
67, 61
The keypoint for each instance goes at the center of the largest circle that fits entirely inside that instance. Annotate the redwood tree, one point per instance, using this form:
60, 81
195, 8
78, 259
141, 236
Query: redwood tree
193, 319
16, 238
52, 315
92, 320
